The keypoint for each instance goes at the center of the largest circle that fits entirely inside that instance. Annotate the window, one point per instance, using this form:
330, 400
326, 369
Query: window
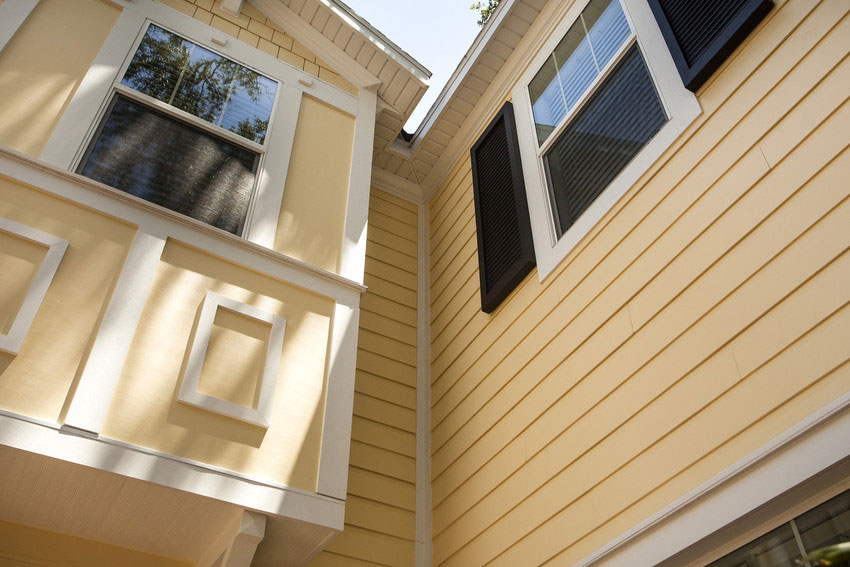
185, 129
822, 526
596, 108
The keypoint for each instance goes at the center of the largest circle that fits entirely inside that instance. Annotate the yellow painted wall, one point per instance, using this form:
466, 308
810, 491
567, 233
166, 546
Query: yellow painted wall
145, 410
24, 546
43, 64
37, 380
380, 507
312, 217
704, 315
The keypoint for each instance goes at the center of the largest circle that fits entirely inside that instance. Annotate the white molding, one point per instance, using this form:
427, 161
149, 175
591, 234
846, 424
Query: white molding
382, 42
265, 207
189, 394
13, 14
35, 436
423, 544
397, 186
162, 222
353, 255
680, 104
339, 403
56, 247
791, 458
315, 41
103, 366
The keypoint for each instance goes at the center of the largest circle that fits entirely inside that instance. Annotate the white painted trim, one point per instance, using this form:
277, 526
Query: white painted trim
102, 370
791, 458
423, 546
353, 256
165, 223
232, 7
339, 403
680, 104
261, 226
249, 534
382, 42
13, 14
189, 394
315, 41
28, 434
397, 186
56, 247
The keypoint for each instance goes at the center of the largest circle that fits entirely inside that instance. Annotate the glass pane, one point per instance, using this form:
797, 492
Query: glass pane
609, 130
774, 549
164, 161
575, 64
187, 76
826, 525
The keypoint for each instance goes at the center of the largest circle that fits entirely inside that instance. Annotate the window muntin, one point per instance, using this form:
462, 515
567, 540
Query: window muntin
191, 78
607, 132
600, 31
185, 129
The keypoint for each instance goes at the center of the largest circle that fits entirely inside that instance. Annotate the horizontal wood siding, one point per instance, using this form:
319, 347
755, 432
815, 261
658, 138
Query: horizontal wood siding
380, 510
705, 314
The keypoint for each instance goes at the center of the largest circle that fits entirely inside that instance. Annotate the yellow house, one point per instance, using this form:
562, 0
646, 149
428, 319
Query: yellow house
593, 312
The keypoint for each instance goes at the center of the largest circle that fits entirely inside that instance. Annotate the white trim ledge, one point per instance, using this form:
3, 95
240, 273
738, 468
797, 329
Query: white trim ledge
791, 458
43, 438
396, 186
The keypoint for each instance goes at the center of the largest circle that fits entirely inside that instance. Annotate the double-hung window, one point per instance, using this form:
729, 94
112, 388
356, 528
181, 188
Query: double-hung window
595, 109
185, 128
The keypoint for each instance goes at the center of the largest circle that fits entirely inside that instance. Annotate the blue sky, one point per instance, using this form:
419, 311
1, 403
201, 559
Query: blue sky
437, 33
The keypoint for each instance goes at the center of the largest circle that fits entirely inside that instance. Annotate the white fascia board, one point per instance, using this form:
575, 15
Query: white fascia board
473, 53
32, 435
382, 42
790, 459
315, 41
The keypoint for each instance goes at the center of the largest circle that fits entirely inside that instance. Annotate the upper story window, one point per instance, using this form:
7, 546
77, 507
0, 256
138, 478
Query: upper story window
598, 105
185, 129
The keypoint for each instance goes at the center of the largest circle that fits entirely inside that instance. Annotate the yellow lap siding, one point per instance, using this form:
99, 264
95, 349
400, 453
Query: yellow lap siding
380, 510
673, 340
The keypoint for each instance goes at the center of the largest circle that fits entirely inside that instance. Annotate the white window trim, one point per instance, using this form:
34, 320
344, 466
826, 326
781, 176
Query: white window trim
13, 14
189, 394
680, 104
14, 339
86, 109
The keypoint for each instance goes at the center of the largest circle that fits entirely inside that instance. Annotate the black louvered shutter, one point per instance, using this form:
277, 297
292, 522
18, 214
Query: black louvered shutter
505, 248
701, 34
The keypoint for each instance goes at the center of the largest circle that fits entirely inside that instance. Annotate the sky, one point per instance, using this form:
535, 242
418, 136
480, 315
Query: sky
437, 33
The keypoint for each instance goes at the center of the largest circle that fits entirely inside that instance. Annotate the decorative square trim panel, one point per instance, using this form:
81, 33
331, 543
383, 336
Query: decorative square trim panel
189, 390
56, 247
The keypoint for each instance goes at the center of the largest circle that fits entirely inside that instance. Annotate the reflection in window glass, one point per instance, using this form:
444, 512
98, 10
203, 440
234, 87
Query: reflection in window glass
824, 525
598, 33
202, 83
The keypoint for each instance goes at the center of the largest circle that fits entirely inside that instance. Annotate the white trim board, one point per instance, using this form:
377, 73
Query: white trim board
396, 186
791, 458
35, 436
189, 394
13, 14
56, 247
164, 223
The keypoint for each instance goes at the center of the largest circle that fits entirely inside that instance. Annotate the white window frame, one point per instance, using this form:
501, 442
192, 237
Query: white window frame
85, 112
679, 103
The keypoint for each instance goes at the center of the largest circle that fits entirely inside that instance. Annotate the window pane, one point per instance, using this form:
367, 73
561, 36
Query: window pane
610, 129
826, 525
159, 159
187, 76
774, 549
576, 62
